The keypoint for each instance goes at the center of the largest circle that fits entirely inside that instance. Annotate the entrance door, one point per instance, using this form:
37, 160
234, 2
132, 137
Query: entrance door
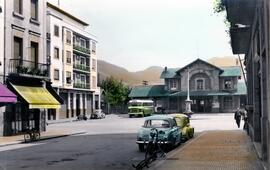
78, 105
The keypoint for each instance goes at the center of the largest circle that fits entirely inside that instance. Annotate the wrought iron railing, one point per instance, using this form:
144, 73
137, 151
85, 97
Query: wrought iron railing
30, 68
81, 67
81, 85
81, 49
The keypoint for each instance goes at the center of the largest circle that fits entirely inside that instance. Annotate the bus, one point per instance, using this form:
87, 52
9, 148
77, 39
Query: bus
137, 107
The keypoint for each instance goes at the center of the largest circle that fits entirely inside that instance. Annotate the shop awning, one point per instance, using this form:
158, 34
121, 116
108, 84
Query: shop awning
6, 96
37, 97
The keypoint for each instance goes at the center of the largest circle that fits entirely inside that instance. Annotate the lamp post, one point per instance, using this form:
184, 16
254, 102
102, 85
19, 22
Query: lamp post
188, 101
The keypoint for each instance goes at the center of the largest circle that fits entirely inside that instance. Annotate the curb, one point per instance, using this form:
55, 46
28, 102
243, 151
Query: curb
41, 139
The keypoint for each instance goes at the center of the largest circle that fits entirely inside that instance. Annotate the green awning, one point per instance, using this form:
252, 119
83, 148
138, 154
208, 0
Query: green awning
37, 97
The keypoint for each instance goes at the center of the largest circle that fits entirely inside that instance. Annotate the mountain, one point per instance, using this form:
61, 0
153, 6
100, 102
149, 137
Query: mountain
150, 74
224, 61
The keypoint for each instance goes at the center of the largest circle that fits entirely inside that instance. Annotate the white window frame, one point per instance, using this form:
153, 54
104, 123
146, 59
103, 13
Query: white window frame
196, 83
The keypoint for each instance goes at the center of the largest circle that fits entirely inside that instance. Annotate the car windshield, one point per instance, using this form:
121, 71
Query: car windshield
156, 124
135, 104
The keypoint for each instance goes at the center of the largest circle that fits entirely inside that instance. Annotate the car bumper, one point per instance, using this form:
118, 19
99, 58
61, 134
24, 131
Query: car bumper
146, 142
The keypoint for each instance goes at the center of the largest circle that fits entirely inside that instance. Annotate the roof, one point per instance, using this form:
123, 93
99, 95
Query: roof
231, 71
241, 88
159, 117
198, 60
147, 91
169, 73
67, 14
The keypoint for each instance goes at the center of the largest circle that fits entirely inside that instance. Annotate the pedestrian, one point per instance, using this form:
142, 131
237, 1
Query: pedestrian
245, 118
237, 117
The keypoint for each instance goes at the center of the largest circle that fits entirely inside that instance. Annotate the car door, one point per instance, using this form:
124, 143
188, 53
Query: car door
176, 131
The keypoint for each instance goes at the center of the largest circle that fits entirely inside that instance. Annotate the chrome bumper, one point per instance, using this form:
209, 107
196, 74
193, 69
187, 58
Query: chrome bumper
146, 142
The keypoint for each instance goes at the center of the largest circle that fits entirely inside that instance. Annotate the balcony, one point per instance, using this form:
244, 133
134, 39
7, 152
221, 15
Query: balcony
28, 68
81, 49
81, 67
81, 85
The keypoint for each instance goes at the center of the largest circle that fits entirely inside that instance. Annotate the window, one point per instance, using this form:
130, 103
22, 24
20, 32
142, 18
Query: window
173, 83
56, 52
34, 54
68, 77
82, 61
228, 102
68, 38
68, 57
56, 30
200, 84
18, 6
18, 48
94, 64
93, 47
227, 84
82, 43
83, 79
34, 9
94, 82
56, 74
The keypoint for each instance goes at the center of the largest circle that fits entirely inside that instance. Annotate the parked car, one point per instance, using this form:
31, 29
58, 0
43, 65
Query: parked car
168, 131
98, 114
183, 121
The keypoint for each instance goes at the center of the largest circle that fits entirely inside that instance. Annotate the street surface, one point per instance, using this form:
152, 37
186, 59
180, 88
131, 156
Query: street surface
106, 144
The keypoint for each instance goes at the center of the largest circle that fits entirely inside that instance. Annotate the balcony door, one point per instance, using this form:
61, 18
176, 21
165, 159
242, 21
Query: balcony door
34, 55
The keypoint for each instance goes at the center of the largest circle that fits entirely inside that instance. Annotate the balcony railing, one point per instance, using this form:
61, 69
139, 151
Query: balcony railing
28, 68
81, 67
81, 85
81, 49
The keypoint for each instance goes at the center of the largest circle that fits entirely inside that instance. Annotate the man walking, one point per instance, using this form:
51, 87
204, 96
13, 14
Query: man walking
237, 117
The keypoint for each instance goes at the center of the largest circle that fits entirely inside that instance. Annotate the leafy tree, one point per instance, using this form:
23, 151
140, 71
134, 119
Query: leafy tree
116, 93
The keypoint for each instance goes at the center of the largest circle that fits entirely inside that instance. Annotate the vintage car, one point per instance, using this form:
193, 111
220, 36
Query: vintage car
169, 133
183, 122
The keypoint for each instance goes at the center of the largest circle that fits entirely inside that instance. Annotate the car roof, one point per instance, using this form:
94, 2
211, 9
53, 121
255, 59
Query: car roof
159, 117
178, 115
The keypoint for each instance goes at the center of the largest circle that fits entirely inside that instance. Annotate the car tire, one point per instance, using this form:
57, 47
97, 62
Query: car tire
130, 116
141, 147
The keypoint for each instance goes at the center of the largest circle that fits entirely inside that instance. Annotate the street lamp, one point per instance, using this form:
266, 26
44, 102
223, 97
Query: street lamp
188, 101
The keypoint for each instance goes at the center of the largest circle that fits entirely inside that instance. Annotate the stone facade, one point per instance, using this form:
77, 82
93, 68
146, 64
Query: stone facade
212, 89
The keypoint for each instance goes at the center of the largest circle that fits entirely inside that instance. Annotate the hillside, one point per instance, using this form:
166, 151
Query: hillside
150, 74
224, 61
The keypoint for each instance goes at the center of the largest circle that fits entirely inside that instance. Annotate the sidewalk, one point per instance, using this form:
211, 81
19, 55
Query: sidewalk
212, 150
50, 134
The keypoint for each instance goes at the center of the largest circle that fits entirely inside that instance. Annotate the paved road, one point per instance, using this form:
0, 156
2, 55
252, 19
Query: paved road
107, 144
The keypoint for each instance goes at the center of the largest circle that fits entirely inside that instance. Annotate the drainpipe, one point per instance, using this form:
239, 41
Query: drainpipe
4, 65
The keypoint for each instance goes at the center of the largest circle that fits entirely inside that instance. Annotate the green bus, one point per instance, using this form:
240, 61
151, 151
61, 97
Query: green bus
137, 107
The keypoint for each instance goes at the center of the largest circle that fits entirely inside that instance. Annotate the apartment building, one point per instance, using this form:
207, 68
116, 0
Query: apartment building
25, 66
73, 68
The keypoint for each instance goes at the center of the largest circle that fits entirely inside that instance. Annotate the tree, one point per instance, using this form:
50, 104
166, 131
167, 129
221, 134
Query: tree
116, 93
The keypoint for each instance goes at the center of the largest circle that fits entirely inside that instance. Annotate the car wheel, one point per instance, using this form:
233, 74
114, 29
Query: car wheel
130, 116
141, 147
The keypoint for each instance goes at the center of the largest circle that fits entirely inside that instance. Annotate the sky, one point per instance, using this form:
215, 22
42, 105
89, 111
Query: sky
137, 34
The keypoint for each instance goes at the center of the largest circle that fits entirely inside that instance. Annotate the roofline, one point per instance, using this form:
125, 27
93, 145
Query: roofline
67, 14
196, 61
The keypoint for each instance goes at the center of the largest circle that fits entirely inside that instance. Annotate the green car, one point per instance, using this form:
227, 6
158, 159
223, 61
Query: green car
140, 108
168, 131
183, 121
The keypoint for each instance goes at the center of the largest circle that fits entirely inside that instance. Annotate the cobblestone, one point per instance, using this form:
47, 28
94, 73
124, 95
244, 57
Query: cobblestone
214, 150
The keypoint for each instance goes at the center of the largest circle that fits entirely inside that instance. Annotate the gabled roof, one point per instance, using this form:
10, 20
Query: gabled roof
231, 71
147, 91
198, 60
169, 73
